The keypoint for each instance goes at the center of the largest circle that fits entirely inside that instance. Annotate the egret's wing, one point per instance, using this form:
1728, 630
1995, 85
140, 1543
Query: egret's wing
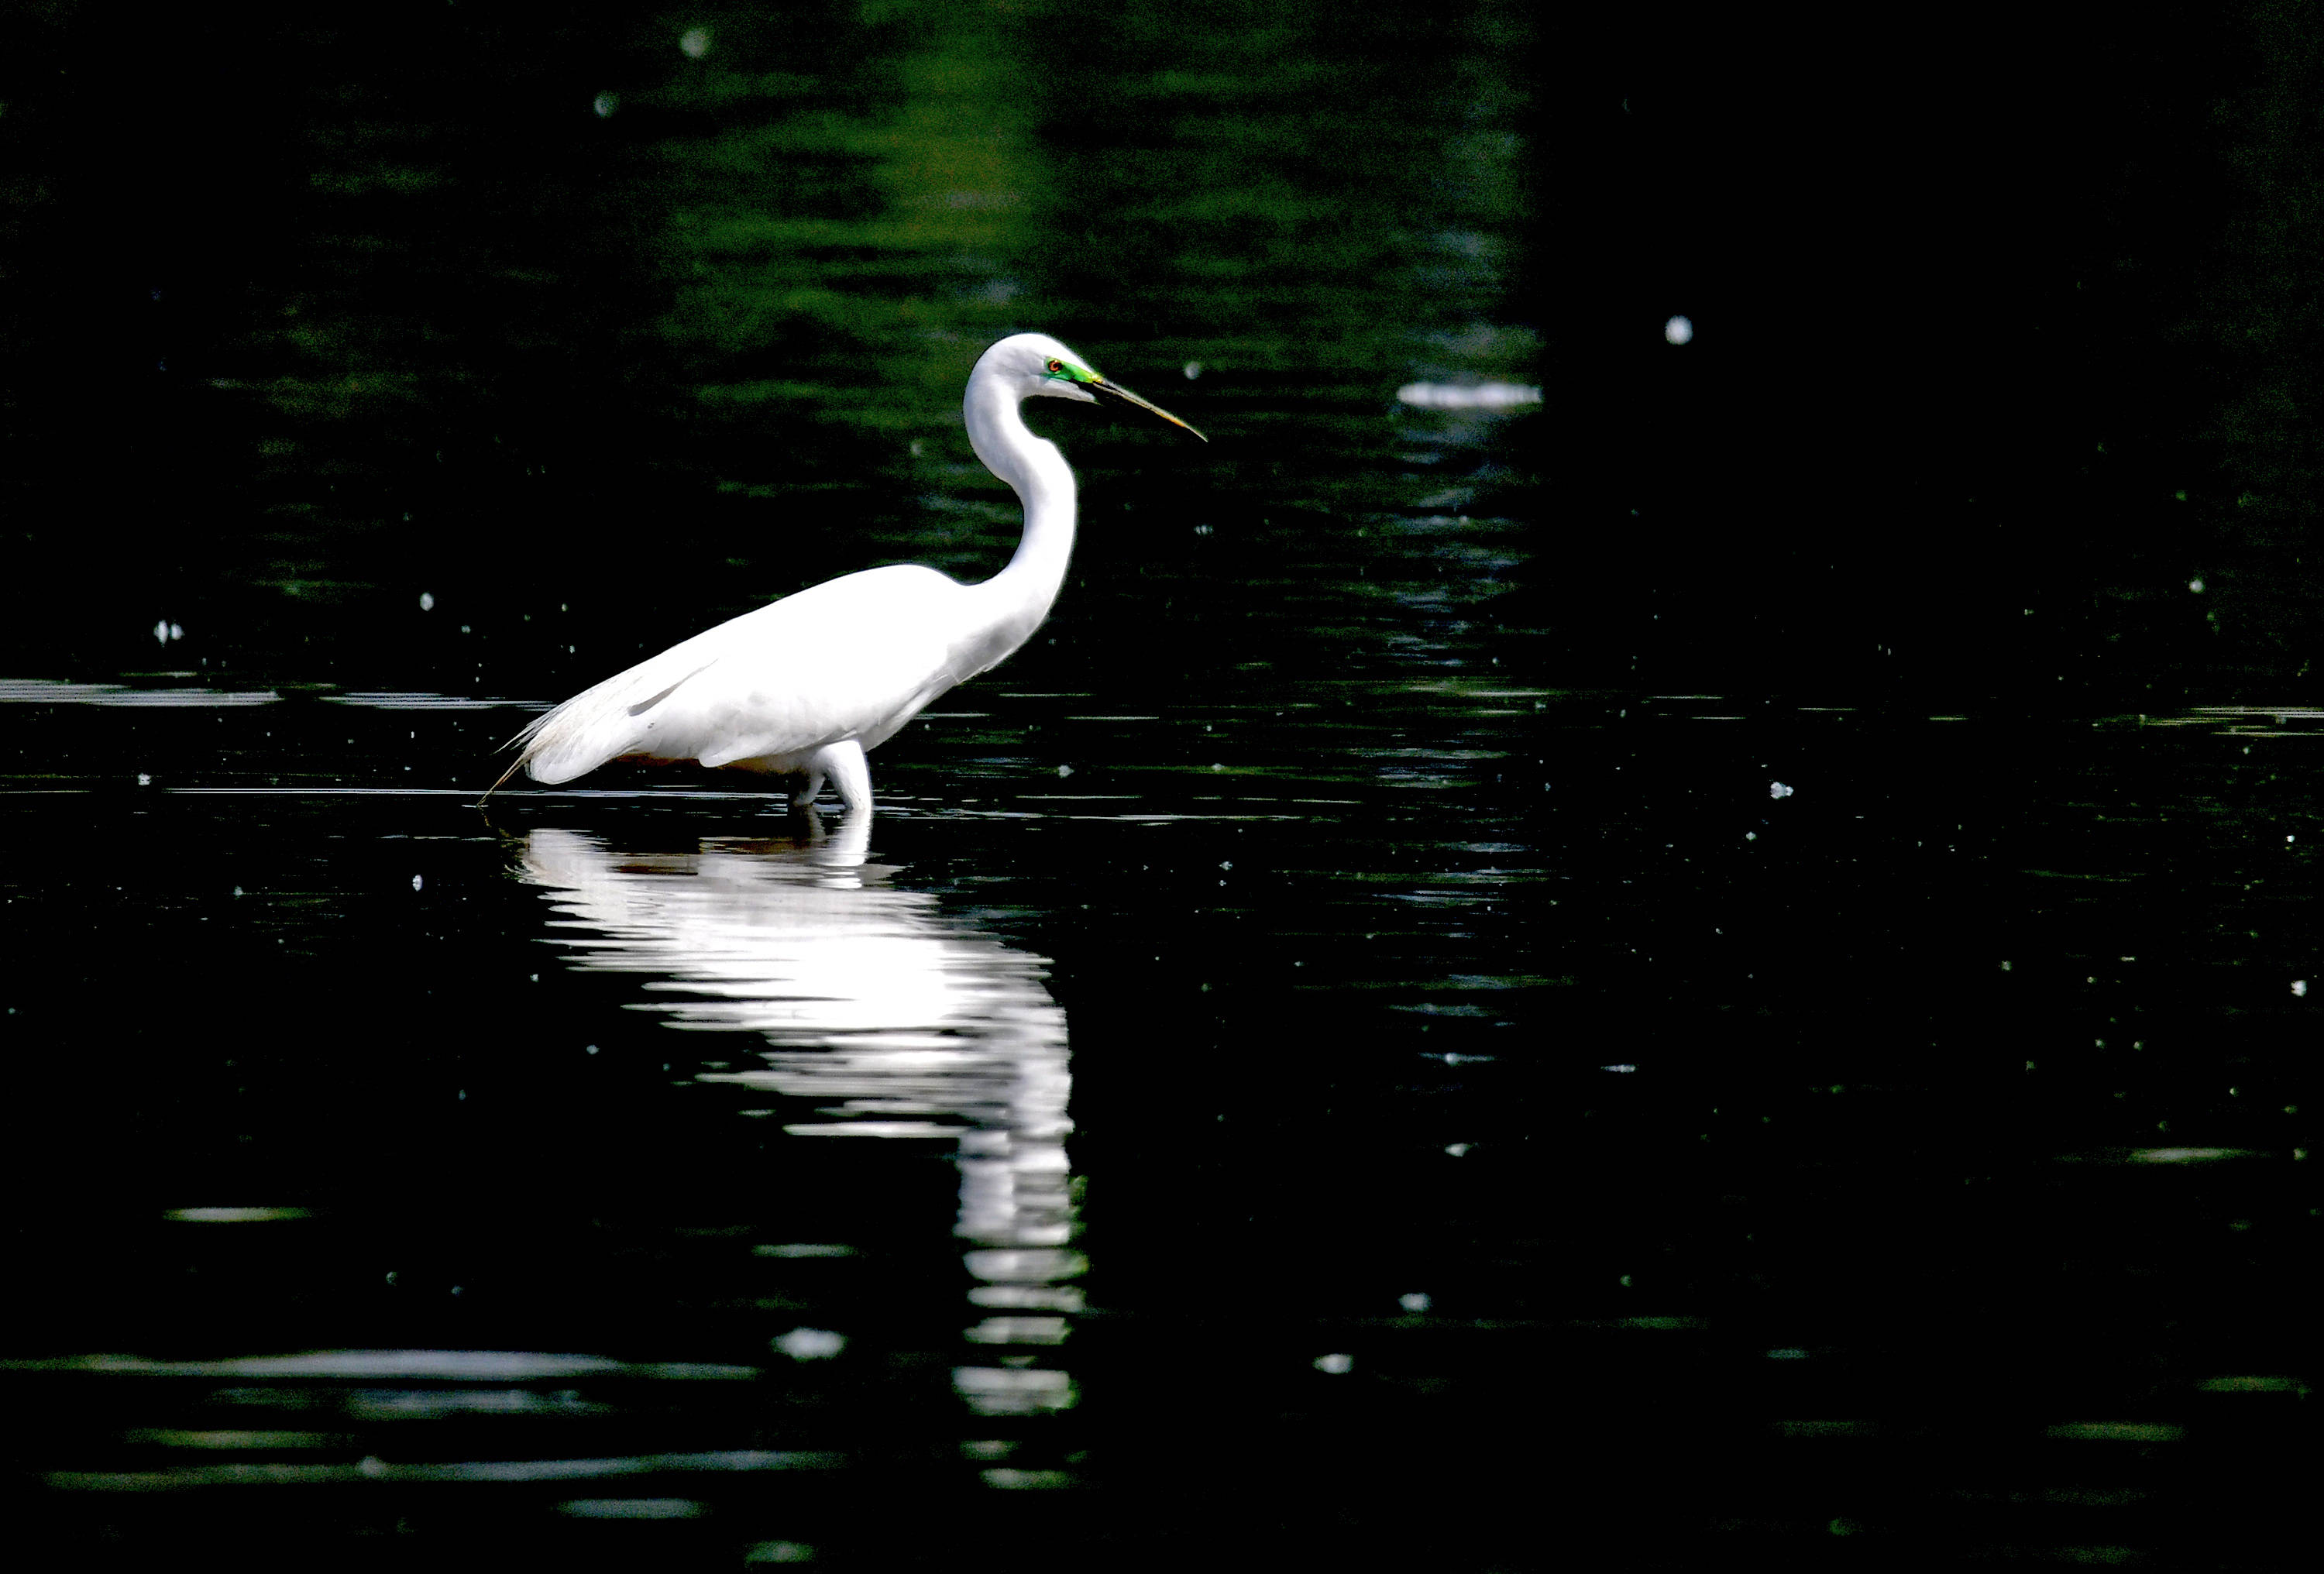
835, 661
850, 660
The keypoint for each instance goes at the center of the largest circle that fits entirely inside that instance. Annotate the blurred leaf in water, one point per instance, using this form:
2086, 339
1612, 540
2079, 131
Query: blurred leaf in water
1311, 192
1277, 194
832, 226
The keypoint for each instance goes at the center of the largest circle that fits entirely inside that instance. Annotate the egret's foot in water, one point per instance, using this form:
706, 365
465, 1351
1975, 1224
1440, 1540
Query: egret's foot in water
841, 854
838, 854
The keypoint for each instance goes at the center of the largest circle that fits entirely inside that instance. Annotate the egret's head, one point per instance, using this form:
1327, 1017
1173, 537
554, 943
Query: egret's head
1037, 365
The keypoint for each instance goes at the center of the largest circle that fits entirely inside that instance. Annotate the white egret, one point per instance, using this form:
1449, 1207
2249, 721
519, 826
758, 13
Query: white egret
805, 685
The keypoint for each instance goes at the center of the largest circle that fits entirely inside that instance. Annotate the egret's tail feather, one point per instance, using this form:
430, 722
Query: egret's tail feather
529, 737
514, 765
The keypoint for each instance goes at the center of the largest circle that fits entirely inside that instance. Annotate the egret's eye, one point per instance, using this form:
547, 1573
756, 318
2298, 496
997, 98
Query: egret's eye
1056, 365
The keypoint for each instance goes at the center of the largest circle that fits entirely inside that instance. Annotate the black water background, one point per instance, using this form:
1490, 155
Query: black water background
1876, 482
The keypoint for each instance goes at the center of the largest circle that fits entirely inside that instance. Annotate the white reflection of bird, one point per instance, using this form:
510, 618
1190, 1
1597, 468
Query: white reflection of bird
805, 685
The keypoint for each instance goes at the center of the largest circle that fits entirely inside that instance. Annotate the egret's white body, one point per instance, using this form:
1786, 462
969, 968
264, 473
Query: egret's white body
807, 684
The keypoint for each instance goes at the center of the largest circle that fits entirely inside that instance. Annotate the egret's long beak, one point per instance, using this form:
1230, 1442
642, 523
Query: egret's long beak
1113, 391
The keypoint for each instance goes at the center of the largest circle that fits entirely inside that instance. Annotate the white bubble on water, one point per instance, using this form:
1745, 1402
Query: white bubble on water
1501, 396
810, 1344
693, 42
1679, 330
1335, 1365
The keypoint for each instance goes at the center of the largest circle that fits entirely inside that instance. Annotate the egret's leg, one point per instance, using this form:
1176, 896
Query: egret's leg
805, 797
850, 773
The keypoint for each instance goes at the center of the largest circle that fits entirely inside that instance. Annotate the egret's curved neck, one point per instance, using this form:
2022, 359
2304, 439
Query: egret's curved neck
1015, 600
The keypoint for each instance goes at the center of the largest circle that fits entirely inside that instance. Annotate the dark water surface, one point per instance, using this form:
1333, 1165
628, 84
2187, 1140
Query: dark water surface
1461, 1006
